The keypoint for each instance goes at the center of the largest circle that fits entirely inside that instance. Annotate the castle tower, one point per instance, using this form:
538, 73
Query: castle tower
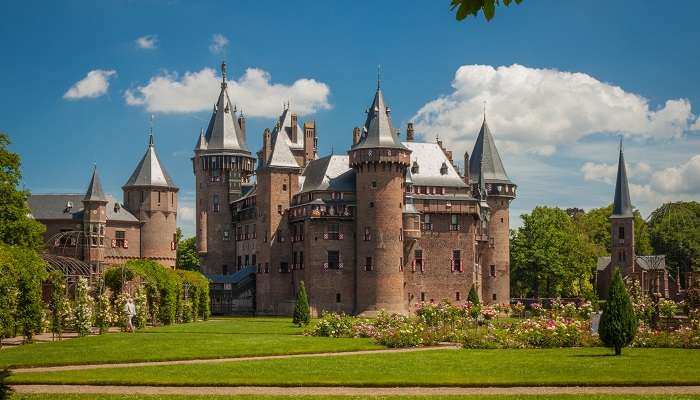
622, 223
380, 161
151, 195
221, 163
94, 222
487, 174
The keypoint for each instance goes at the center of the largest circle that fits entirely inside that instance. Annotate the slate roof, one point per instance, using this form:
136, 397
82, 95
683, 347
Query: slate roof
53, 207
331, 173
223, 132
149, 171
285, 125
485, 155
94, 191
281, 155
622, 206
647, 263
430, 159
378, 131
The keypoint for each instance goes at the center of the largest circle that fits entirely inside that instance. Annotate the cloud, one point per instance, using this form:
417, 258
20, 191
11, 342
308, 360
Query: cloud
253, 92
540, 109
218, 43
147, 42
602, 172
682, 179
95, 84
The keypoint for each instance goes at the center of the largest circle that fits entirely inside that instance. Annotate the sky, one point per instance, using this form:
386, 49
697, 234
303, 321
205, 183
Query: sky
562, 82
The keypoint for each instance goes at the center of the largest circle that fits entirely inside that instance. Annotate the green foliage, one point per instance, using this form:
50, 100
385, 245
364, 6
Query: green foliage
141, 304
675, 232
197, 294
473, 297
59, 306
595, 224
618, 324
16, 228
550, 257
103, 312
332, 325
5, 389
302, 314
187, 255
83, 311
466, 8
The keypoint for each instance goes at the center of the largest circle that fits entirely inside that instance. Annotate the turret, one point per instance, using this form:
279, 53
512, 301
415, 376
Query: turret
151, 195
380, 161
94, 222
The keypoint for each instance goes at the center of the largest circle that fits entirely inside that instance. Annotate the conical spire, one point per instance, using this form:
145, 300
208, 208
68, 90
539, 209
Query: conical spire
94, 190
379, 131
622, 206
149, 171
485, 156
223, 132
281, 156
201, 142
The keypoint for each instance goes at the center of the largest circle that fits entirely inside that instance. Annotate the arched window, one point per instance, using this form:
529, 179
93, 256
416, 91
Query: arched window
443, 169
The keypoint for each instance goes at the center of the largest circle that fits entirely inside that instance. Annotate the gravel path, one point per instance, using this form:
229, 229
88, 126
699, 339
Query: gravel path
355, 391
220, 360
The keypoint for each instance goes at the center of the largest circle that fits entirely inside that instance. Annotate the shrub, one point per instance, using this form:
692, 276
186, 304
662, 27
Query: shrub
618, 324
518, 309
536, 309
473, 297
302, 314
668, 308
407, 333
5, 389
83, 309
59, 306
103, 313
141, 303
332, 325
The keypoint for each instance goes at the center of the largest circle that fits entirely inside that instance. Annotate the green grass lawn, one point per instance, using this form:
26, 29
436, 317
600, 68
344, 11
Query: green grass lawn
216, 338
578, 366
528, 397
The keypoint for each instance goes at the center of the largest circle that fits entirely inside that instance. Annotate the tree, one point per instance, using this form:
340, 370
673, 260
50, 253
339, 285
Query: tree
618, 324
675, 232
595, 224
16, 227
187, 255
302, 314
473, 297
549, 257
466, 8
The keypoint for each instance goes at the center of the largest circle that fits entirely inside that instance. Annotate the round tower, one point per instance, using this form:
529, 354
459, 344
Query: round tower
380, 162
151, 195
94, 222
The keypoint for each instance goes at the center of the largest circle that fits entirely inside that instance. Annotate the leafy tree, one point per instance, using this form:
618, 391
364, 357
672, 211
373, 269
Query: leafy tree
302, 314
16, 228
473, 297
187, 255
466, 8
618, 324
595, 224
549, 256
8, 296
675, 232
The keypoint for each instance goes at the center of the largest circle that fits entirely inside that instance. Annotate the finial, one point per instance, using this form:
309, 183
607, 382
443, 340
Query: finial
150, 135
94, 166
241, 112
223, 74
620, 143
484, 110
332, 150
379, 76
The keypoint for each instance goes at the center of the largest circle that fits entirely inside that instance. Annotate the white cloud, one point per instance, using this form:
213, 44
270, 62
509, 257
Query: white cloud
147, 42
541, 109
684, 178
218, 43
607, 173
95, 84
253, 92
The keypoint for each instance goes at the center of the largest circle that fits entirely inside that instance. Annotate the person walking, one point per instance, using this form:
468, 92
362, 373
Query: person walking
130, 310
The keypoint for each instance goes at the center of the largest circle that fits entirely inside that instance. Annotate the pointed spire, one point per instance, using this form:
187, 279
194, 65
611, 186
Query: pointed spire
223, 75
622, 206
94, 190
149, 171
485, 156
379, 132
223, 131
281, 156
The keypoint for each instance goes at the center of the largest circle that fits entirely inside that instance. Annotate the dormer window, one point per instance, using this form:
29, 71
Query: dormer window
415, 168
443, 169
69, 206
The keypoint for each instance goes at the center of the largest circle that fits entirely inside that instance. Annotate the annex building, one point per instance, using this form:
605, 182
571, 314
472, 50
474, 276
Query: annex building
391, 223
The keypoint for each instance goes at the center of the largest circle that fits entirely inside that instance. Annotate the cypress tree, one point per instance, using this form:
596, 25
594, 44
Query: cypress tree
618, 324
302, 315
473, 297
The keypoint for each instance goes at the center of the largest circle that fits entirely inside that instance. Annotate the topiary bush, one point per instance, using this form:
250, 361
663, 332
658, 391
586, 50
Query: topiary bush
618, 324
302, 314
473, 297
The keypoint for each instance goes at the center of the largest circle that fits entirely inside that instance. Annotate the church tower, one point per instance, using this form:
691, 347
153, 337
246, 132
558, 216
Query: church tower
380, 161
488, 178
94, 222
622, 223
151, 195
221, 163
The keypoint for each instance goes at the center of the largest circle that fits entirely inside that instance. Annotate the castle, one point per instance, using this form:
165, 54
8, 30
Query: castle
98, 230
390, 224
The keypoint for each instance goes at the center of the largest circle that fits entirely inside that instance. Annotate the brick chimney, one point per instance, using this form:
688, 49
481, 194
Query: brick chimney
295, 133
409, 132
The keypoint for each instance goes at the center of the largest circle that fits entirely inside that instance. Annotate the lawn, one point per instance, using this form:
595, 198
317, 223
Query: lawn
496, 397
216, 338
565, 367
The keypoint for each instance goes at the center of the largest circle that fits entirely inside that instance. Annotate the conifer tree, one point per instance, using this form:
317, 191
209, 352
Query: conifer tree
618, 324
473, 297
302, 314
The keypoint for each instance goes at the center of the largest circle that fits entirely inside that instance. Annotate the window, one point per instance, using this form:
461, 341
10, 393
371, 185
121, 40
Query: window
493, 296
284, 187
401, 264
457, 296
267, 268
422, 296
457, 260
227, 234
333, 260
120, 237
301, 260
247, 259
215, 175
239, 262
368, 235
374, 183
415, 168
284, 267
493, 270
216, 205
279, 209
443, 169
454, 222
253, 259
418, 255
621, 233
337, 297
426, 225
368, 263
333, 232
371, 204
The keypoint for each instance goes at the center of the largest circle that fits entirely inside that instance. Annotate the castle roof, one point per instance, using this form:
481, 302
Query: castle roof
56, 207
94, 191
379, 133
647, 263
331, 173
285, 125
281, 155
149, 171
622, 206
430, 159
485, 156
223, 132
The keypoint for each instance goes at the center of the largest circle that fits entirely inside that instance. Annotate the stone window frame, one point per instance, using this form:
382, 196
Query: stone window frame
492, 271
457, 261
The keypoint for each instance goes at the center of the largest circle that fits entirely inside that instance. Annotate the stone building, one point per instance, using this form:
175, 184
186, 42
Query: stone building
388, 225
99, 230
649, 271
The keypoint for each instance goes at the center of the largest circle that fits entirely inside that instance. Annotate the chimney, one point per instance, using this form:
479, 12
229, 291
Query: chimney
466, 167
309, 141
295, 133
409, 132
356, 135
241, 123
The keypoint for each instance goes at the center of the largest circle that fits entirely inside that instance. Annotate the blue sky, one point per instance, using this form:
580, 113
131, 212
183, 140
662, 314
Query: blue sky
562, 81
